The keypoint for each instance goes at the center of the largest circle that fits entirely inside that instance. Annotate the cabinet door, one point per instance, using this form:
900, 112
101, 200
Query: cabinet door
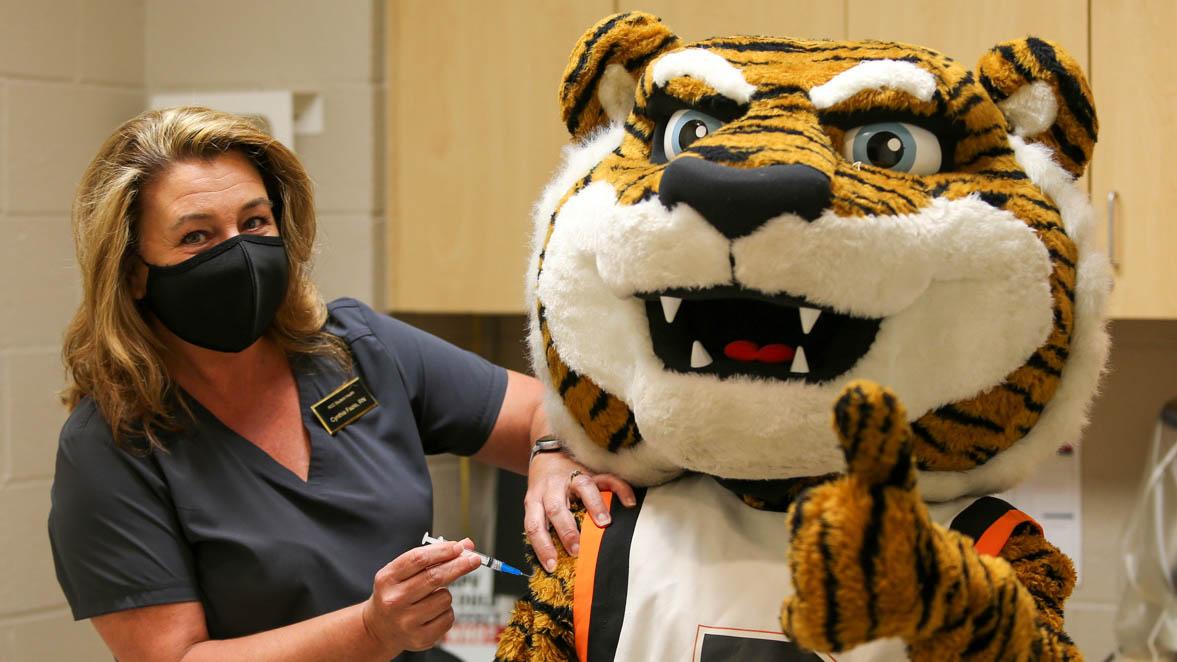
964, 30
473, 133
1132, 55
698, 19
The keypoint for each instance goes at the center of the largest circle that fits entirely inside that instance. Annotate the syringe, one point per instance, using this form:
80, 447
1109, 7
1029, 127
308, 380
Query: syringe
492, 563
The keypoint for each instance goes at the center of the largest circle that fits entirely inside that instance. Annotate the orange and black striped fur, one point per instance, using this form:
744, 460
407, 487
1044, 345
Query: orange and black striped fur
962, 282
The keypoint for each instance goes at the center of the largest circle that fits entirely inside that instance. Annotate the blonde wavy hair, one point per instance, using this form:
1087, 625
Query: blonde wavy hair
110, 352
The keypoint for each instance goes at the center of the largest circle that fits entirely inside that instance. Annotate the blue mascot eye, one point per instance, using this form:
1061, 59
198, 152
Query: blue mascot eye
894, 145
685, 127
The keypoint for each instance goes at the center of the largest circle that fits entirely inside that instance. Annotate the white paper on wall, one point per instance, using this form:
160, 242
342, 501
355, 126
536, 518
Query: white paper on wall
479, 617
1051, 497
280, 113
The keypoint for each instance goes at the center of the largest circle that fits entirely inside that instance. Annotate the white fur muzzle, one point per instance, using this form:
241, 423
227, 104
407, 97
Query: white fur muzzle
961, 290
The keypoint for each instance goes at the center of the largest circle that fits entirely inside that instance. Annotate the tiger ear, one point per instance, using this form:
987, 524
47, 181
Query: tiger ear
1044, 96
601, 78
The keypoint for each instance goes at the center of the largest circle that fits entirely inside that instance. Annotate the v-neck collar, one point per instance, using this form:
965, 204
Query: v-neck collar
310, 391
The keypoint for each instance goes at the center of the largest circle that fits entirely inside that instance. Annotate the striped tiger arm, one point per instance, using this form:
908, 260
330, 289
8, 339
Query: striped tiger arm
541, 628
1014, 606
868, 562
1049, 576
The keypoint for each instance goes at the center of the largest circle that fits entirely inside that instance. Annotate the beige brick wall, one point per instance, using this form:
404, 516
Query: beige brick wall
70, 72
328, 48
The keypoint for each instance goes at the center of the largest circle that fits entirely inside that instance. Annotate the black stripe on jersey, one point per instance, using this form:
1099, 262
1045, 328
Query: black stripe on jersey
974, 520
611, 581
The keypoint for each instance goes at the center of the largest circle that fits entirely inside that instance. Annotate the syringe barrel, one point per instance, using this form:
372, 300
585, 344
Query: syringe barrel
492, 563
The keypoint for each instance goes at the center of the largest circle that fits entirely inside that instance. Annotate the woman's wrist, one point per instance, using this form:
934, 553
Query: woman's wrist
548, 443
363, 613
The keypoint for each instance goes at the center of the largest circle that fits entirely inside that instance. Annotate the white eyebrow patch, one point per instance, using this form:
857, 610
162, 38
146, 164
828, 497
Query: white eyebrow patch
873, 75
707, 67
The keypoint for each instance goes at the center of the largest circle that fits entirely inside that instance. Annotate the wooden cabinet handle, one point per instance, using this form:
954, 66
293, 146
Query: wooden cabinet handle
1112, 196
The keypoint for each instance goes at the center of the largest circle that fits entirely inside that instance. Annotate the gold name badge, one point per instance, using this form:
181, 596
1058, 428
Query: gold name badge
344, 405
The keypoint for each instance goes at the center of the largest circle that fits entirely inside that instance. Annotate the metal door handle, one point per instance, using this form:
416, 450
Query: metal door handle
1112, 196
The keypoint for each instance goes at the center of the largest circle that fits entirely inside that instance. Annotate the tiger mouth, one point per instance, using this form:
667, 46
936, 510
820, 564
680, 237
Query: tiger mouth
729, 330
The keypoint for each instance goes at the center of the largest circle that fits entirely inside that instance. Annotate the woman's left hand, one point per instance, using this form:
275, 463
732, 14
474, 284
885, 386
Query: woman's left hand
551, 479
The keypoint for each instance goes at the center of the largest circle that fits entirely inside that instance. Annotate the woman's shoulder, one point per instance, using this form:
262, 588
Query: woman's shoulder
86, 438
85, 426
352, 319
347, 304
349, 318
90, 465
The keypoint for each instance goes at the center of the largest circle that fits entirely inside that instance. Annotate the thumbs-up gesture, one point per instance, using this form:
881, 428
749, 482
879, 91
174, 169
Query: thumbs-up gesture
868, 562
864, 554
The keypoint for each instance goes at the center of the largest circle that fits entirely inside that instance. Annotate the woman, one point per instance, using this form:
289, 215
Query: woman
242, 475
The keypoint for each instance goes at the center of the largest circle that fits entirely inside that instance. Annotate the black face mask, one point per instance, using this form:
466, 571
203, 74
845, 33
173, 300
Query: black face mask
226, 297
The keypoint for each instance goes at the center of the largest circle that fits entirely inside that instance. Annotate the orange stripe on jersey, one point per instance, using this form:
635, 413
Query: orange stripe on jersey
995, 537
586, 575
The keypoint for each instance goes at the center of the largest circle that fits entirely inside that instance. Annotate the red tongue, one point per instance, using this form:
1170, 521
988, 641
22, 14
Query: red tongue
747, 351
741, 350
775, 354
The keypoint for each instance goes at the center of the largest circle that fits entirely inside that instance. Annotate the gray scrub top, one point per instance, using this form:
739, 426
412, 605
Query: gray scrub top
216, 519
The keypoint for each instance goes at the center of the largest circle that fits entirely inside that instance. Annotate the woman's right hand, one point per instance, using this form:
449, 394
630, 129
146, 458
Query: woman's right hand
410, 604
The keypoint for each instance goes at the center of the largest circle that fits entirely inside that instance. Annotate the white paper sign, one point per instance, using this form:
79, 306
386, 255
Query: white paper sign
478, 617
1051, 497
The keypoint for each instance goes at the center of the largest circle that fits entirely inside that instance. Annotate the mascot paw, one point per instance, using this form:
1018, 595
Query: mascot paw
861, 545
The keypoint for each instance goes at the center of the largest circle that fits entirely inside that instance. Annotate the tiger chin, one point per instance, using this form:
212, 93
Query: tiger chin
820, 300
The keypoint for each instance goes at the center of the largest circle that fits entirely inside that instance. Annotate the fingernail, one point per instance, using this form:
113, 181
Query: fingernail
629, 503
575, 549
550, 565
603, 519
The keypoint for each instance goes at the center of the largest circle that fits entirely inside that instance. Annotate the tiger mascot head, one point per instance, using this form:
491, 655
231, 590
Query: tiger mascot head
743, 225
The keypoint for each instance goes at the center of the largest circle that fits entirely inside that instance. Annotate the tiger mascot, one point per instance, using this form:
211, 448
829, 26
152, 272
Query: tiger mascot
750, 234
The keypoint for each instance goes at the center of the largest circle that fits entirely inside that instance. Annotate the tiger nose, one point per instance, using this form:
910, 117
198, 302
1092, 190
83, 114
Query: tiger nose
737, 201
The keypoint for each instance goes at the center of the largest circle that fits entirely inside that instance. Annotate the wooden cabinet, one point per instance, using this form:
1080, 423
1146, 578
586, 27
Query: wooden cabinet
1127, 51
1132, 55
473, 133
473, 126
698, 19
965, 30
473, 130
